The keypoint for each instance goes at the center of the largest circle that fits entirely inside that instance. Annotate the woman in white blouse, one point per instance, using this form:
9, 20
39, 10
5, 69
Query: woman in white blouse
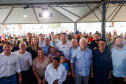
55, 72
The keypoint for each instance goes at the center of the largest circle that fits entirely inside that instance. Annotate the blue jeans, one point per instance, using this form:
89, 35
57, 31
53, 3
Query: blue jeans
12, 80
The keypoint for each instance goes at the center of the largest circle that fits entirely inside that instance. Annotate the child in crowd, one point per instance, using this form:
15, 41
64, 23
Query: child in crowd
57, 55
69, 79
62, 61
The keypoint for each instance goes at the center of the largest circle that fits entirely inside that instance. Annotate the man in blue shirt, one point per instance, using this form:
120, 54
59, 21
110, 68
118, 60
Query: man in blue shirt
119, 61
102, 63
74, 44
82, 60
46, 45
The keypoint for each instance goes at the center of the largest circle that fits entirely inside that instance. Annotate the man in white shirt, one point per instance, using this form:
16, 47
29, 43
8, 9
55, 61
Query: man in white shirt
41, 40
64, 46
58, 38
55, 72
25, 61
9, 65
53, 41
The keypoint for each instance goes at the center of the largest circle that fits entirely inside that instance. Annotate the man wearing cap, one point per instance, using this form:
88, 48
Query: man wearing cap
9, 65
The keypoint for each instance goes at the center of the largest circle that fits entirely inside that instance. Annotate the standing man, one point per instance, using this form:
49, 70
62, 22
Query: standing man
29, 38
46, 45
74, 44
82, 60
9, 65
25, 61
64, 46
119, 61
53, 41
94, 44
58, 37
102, 63
41, 40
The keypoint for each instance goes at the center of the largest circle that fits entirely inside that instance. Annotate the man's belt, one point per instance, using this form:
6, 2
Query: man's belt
8, 77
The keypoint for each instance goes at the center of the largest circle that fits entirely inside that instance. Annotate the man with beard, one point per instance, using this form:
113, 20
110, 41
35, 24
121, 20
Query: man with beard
94, 44
119, 61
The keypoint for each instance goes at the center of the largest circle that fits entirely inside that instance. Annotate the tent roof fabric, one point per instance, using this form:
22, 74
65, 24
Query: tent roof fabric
61, 13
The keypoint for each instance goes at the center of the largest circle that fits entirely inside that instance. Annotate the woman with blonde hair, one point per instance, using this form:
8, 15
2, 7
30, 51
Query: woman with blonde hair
33, 47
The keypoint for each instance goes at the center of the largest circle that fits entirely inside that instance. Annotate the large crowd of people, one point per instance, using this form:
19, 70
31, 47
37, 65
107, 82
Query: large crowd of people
73, 58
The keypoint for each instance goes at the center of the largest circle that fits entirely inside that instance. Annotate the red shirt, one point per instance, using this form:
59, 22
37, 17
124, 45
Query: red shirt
67, 61
91, 39
4, 39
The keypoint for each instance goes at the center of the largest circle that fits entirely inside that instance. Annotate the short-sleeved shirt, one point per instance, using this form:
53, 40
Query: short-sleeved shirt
66, 66
72, 50
45, 48
93, 44
82, 60
102, 62
53, 43
119, 62
40, 67
65, 49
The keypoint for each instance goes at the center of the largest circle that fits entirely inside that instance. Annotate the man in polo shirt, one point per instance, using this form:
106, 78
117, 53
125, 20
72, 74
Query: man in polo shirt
9, 65
64, 46
119, 61
82, 60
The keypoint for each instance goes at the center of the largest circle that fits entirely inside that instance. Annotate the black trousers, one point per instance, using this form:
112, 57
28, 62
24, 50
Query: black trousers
101, 80
117, 80
26, 77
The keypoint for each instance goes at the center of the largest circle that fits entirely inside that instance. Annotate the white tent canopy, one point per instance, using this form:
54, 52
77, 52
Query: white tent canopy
61, 13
